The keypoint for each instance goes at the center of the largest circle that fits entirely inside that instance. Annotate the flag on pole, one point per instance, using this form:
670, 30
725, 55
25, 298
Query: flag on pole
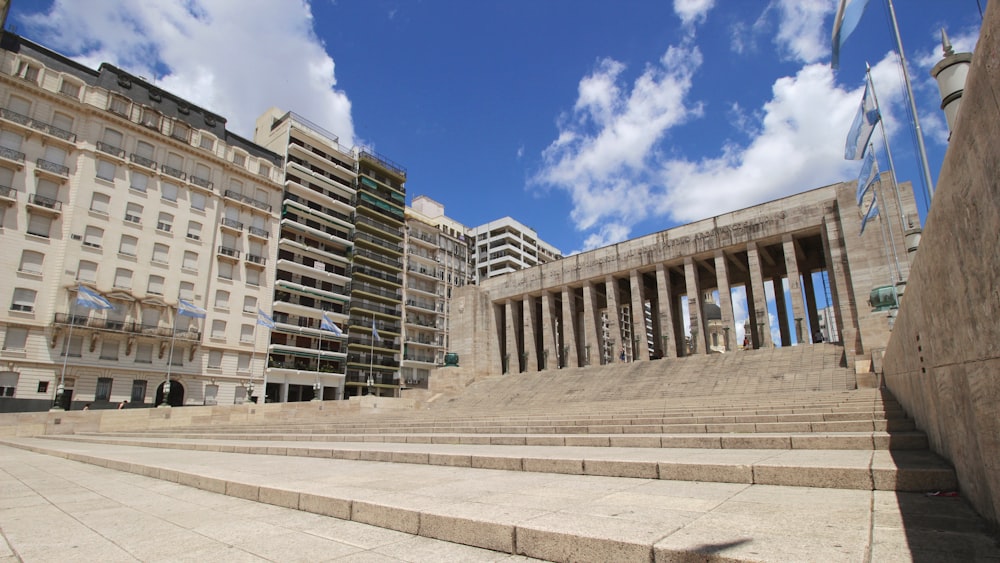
326, 324
263, 319
188, 309
848, 15
870, 214
863, 126
375, 335
869, 170
86, 297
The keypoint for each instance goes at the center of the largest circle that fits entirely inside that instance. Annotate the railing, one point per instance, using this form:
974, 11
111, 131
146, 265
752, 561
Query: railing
46, 202
392, 229
256, 259
376, 307
232, 223
171, 171
42, 126
361, 235
246, 199
143, 161
389, 261
53, 167
110, 149
11, 154
8, 192
228, 251
258, 232
207, 184
364, 270
369, 288
130, 327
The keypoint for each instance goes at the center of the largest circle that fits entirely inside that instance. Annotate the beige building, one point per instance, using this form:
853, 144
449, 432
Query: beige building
507, 245
112, 184
578, 311
437, 262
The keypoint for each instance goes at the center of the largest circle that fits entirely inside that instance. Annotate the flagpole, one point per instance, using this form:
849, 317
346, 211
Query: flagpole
882, 227
928, 184
371, 360
61, 389
267, 358
170, 359
253, 356
319, 361
888, 224
903, 220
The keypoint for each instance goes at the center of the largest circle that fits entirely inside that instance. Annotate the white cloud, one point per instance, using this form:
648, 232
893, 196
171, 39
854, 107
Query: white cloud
801, 33
231, 60
692, 11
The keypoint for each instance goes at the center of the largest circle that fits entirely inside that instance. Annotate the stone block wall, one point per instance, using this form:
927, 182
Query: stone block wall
943, 359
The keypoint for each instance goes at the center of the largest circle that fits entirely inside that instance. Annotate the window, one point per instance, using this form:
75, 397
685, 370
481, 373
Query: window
264, 170
150, 118
144, 353
31, 262
197, 201
203, 172
8, 383
215, 359
99, 203
123, 278
119, 105
133, 213
168, 191
27, 71
225, 270
240, 159
161, 253
249, 304
62, 121
262, 196
139, 182
19, 105
55, 154
176, 357
243, 362
15, 339
6, 177
194, 230
103, 392
155, 285
47, 189
23, 300
113, 138
43, 387
181, 131
236, 186
175, 161
109, 349
73, 347
165, 222
39, 225
218, 329
253, 276
128, 245
138, 391
246, 333
87, 271
106, 170
211, 394
190, 260
71, 89
11, 140
187, 291
206, 142
93, 236
145, 150
222, 299
150, 317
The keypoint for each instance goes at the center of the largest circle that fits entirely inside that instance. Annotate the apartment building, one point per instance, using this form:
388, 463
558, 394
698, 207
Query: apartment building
506, 245
437, 261
113, 187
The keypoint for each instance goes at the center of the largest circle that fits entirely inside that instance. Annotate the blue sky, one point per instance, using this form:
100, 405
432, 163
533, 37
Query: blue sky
591, 122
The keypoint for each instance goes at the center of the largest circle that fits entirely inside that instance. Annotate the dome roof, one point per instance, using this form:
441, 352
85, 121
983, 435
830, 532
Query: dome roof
712, 312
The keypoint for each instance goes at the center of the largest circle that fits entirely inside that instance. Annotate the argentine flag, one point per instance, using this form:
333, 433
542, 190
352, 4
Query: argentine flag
85, 297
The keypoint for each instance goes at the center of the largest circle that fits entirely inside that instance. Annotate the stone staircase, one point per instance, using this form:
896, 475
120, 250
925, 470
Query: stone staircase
697, 459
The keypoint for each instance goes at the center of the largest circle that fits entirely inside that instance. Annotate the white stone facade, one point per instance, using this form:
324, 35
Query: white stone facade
505, 246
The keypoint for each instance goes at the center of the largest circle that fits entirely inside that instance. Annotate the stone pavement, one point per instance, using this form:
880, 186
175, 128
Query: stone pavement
549, 516
52, 509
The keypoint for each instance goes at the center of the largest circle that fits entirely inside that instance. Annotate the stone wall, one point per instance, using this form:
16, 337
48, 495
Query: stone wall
943, 360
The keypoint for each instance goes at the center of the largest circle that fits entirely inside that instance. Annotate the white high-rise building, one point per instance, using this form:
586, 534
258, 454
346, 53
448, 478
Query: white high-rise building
506, 245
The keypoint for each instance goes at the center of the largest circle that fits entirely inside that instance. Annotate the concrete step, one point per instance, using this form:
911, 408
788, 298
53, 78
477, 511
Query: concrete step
868, 469
560, 517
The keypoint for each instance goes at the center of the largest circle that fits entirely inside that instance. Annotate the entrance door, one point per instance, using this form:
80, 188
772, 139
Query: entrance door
176, 394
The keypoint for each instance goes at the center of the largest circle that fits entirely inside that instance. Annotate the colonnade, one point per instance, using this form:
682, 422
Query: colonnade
639, 314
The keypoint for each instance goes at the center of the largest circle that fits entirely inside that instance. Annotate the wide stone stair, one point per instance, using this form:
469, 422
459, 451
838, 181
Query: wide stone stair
808, 470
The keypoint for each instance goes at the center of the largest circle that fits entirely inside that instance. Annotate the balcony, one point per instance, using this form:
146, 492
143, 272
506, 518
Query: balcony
11, 154
125, 327
229, 252
247, 200
46, 204
60, 170
171, 171
8, 195
258, 232
37, 125
231, 224
392, 261
110, 149
143, 161
201, 182
255, 259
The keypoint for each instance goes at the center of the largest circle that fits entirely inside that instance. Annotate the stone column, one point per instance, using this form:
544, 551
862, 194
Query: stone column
611, 288
757, 299
795, 288
694, 306
530, 334
591, 341
498, 343
665, 308
840, 292
810, 290
572, 357
725, 301
512, 356
639, 332
550, 341
781, 307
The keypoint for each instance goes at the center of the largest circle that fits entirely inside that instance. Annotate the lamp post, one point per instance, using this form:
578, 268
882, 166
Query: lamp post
760, 328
